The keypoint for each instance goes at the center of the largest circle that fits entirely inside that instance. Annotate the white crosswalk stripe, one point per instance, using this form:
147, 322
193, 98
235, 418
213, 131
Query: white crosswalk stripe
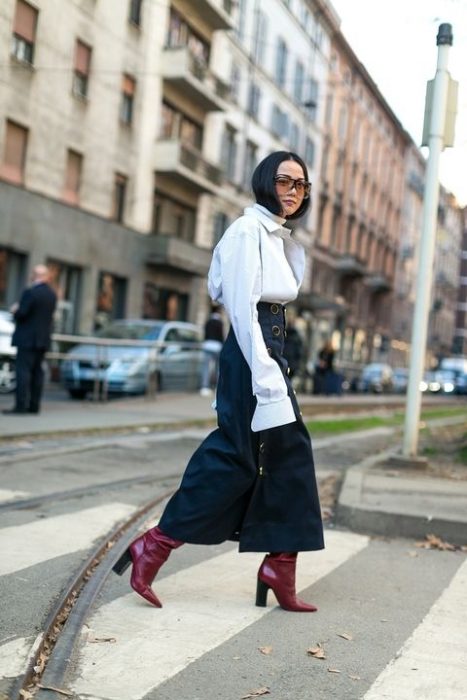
7, 495
203, 607
432, 664
38, 541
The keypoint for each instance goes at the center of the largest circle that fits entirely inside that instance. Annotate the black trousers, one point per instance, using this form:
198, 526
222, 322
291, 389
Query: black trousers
29, 379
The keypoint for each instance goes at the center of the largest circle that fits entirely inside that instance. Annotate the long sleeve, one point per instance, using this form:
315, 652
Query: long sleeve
240, 271
25, 305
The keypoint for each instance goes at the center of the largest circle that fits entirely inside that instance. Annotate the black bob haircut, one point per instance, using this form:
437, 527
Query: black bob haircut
263, 186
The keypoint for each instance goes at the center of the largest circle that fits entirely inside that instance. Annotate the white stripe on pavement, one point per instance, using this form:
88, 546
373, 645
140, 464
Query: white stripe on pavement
40, 540
203, 607
432, 664
6, 495
13, 657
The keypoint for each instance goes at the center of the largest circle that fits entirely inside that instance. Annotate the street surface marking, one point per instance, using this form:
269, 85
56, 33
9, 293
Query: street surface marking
13, 656
432, 664
203, 607
25, 545
6, 495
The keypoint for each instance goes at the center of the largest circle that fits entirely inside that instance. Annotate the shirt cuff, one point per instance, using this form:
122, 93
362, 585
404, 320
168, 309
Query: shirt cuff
273, 415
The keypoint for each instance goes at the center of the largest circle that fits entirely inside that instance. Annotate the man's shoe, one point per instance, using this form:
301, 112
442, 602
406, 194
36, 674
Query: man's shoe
14, 411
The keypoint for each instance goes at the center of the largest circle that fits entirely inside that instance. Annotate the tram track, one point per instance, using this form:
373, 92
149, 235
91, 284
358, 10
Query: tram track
70, 494
53, 648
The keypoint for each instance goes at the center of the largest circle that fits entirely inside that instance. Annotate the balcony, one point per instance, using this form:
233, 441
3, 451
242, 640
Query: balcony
173, 253
181, 69
378, 282
214, 13
350, 266
186, 167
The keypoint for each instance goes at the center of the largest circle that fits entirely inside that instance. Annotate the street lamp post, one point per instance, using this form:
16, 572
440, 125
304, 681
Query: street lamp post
436, 142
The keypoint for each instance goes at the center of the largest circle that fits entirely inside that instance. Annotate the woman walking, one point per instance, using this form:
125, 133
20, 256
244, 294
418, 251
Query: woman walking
252, 480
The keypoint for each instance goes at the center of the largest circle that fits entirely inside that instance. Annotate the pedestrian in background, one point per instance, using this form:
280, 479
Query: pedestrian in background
252, 479
33, 318
326, 380
293, 349
212, 346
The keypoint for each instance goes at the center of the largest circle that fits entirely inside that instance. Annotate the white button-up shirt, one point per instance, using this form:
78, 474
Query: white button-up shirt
258, 260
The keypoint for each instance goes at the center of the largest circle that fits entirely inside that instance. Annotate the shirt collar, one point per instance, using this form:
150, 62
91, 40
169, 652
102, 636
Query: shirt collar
273, 223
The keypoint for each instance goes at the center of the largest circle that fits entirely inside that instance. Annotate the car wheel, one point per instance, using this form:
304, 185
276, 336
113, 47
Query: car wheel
77, 393
7, 376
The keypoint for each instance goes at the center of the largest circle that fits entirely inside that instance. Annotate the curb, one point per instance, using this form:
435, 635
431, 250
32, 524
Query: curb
358, 517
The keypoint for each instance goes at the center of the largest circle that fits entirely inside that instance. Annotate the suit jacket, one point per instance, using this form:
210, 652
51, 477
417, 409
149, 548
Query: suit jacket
34, 317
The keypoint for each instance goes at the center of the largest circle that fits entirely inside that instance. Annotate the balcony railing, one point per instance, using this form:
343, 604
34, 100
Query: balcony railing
378, 282
181, 68
186, 164
351, 266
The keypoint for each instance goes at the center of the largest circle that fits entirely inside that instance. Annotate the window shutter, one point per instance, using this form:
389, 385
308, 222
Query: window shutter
25, 21
15, 153
128, 85
82, 58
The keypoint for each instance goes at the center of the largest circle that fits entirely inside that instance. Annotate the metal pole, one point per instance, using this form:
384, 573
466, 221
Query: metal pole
427, 243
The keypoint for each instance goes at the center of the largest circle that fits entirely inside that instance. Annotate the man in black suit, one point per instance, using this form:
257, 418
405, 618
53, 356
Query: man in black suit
33, 316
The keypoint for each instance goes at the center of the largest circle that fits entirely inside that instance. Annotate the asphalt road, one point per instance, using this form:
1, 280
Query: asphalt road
205, 643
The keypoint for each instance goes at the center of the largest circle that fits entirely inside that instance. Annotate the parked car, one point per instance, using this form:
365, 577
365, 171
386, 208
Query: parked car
7, 354
461, 383
400, 380
376, 377
127, 369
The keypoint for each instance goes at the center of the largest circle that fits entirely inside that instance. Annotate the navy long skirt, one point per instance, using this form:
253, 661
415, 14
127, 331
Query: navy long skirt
256, 488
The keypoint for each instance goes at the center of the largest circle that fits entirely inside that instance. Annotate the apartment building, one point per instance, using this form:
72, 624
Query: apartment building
360, 204
102, 137
460, 334
445, 290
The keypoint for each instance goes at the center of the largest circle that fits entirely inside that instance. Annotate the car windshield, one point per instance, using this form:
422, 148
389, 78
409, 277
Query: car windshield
131, 331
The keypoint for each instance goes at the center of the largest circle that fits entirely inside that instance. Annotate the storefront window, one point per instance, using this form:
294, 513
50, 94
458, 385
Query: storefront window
66, 281
12, 277
165, 304
110, 304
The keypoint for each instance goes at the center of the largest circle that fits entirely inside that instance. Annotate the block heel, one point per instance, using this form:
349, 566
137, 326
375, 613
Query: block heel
261, 593
123, 563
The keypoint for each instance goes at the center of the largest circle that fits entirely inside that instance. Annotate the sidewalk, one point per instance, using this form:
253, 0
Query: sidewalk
374, 498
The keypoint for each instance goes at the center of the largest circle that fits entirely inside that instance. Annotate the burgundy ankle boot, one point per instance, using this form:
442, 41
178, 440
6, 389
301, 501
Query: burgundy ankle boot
278, 573
147, 554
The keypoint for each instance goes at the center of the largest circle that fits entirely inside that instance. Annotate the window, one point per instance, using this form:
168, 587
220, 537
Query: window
81, 69
14, 155
24, 32
135, 12
251, 159
311, 103
181, 34
221, 223
74, 166
127, 100
309, 152
254, 98
229, 152
175, 125
66, 281
164, 303
298, 82
120, 186
173, 218
110, 303
12, 276
241, 19
261, 35
294, 138
279, 122
281, 63
235, 78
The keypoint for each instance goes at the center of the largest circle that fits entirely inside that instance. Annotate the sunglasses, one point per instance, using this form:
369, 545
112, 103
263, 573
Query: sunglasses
284, 184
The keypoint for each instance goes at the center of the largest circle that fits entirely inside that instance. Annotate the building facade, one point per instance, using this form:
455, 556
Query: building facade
359, 213
102, 152
460, 336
